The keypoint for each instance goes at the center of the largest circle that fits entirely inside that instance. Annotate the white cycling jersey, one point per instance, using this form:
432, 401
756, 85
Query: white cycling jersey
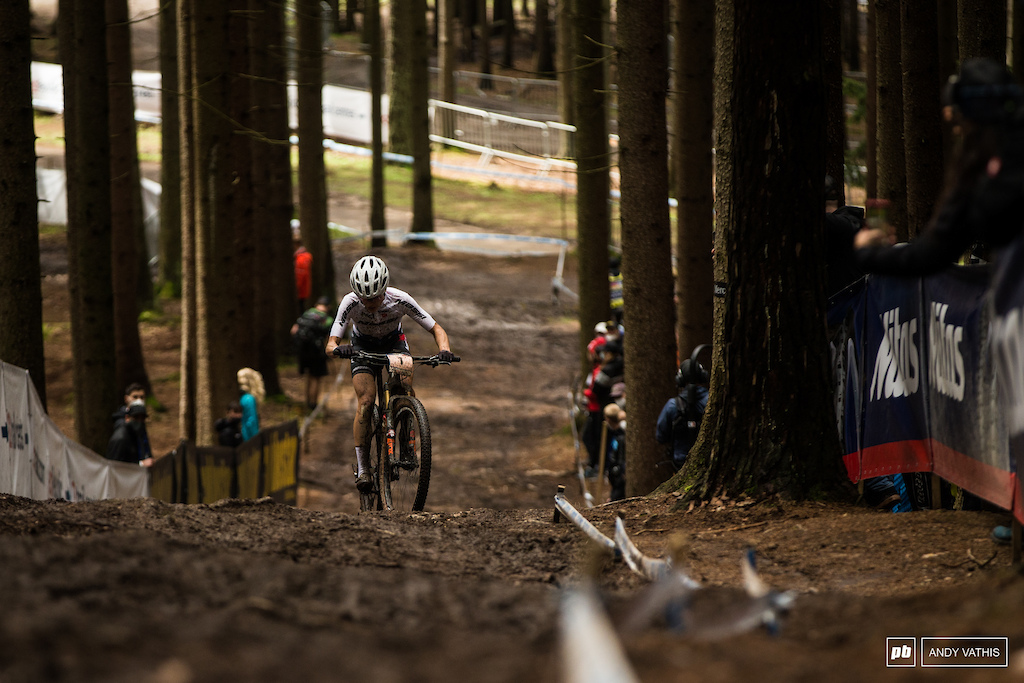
385, 320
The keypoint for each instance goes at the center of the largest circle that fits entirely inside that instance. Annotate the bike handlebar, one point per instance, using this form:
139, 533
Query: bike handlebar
382, 358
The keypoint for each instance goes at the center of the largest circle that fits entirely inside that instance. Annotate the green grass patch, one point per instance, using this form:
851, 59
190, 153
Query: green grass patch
489, 205
49, 329
49, 129
483, 204
52, 229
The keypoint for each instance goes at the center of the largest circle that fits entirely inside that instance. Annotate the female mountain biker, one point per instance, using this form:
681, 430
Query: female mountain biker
375, 312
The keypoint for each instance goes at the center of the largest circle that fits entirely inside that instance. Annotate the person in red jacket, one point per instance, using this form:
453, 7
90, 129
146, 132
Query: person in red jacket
303, 271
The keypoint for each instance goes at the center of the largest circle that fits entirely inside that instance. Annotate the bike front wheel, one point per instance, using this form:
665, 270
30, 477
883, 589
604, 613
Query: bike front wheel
405, 468
370, 500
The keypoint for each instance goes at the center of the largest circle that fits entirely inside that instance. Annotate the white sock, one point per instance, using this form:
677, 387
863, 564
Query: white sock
361, 464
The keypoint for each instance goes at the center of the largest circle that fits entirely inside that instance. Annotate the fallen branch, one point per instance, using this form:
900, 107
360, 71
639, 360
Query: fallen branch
981, 565
732, 528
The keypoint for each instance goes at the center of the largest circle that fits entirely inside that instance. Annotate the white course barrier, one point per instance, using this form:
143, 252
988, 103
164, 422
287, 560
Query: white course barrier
647, 567
38, 461
591, 650
670, 595
573, 515
52, 190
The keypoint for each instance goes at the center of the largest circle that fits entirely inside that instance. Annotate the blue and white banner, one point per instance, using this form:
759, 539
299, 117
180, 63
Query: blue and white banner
920, 391
968, 439
894, 417
1007, 344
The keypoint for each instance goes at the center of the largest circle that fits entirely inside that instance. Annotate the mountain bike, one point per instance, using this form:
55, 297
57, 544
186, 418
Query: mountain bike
398, 443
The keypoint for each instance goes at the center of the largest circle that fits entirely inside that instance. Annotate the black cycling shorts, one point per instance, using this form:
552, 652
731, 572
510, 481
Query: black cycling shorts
312, 359
393, 343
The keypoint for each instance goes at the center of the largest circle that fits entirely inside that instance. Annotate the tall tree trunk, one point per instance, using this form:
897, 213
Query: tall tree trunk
216, 277
1017, 35
280, 201
564, 46
650, 349
694, 58
21, 306
890, 156
373, 33
127, 232
850, 34
922, 122
312, 176
593, 214
982, 29
835, 112
400, 78
96, 392
446, 62
508, 30
66, 39
484, 28
419, 115
241, 198
768, 427
189, 314
350, 15
543, 55
169, 267
271, 255
871, 103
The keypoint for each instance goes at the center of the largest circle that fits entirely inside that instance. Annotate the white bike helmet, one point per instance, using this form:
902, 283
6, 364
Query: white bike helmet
369, 277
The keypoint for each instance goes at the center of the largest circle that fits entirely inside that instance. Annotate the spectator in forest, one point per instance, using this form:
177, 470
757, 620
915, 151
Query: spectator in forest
310, 333
842, 223
303, 269
595, 344
981, 202
615, 287
599, 395
134, 393
229, 427
615, 456
125, 444
980, 206
679, 422
250, 387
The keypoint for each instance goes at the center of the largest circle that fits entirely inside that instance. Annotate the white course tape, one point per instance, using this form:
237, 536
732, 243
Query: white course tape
650, 568
566, 508
591, 651
588, 498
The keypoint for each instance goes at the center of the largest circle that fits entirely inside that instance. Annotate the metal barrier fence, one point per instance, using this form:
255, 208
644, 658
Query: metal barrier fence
528, 98
546, 145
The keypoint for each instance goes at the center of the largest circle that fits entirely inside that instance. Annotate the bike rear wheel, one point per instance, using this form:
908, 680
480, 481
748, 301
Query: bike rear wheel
405, 472
371, 500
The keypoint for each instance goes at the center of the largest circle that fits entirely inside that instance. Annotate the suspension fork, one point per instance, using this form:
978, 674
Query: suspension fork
387, 420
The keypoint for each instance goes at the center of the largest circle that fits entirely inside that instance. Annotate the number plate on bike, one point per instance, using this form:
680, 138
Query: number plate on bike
400, 363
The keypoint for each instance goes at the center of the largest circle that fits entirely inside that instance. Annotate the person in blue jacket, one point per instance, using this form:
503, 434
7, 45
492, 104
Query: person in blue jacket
679, 421
250, 385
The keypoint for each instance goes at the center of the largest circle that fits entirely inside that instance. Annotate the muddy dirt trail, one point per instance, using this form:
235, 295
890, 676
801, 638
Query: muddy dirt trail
471, 588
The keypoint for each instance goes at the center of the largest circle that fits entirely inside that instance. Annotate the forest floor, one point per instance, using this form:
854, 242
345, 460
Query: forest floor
470, 589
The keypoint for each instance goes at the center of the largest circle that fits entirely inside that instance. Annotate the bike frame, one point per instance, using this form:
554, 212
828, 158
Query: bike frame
389, 374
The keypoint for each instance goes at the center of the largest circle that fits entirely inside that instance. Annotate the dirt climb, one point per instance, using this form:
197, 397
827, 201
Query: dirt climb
470, 589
